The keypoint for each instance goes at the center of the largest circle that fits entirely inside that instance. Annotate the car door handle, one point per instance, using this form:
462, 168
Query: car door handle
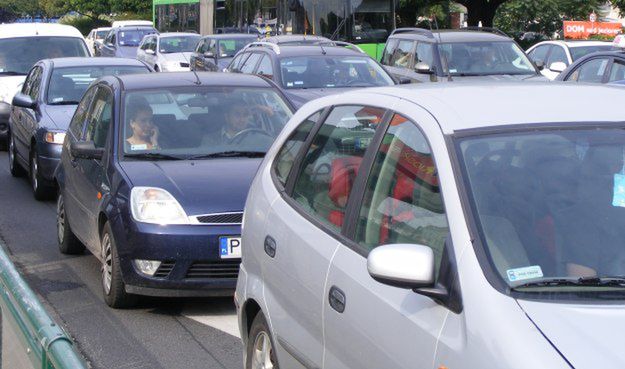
270, 246
337, 299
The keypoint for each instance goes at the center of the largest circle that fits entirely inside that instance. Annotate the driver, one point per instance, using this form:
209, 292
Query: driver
236, 119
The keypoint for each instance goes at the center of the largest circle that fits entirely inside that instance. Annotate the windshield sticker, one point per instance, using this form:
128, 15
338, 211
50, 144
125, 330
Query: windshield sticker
619, 191
520, 274
289, 84
57, 99
299, 82
453, 71
138, 147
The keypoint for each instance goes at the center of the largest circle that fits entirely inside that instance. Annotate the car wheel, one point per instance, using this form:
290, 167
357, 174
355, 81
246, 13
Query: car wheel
14, 167
260, 352
68, 242
112, 284
41, 190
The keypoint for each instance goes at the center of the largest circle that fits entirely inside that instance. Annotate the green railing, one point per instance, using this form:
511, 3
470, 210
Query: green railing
29, 337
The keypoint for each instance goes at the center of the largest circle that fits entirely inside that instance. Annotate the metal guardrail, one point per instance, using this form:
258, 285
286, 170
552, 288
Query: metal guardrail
29, 337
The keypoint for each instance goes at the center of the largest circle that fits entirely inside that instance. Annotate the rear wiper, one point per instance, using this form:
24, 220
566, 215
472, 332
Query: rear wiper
153, 156
69, 102
229, 154
577, 282
12, 73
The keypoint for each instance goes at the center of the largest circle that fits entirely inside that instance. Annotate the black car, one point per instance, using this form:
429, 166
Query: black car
154, 175
599, 67
42, 110
306, 72
452, 55
213, 53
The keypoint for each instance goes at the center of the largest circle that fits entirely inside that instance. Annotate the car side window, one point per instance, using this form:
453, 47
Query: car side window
238, 61
113, 39
99, 117
35, 84
199, 46
402, 57
389, 50
288, 152
28, 82
76, 124
330, 166
617, 73
402, 201
249, 65
539, 53
265, 68
558, 55
212, 47
425, 54
591, 71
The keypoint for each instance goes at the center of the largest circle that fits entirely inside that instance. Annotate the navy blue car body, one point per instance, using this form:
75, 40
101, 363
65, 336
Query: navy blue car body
122, 42
95, 196
42, 110
598, 67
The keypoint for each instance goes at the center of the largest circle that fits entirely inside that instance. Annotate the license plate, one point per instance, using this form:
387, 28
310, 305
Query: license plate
230, 247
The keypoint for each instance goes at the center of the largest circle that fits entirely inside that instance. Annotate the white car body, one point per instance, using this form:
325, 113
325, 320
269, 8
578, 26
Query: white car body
92, 38
564, 49
149, 52
290, 278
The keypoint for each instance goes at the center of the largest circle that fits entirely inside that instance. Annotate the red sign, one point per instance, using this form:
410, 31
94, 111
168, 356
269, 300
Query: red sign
583, 30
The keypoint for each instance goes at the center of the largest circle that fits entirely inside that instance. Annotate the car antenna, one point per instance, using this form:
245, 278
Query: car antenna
440, 43
323, 51
198, 81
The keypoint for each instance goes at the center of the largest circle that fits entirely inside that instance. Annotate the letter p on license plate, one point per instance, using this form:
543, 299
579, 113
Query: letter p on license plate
230, 247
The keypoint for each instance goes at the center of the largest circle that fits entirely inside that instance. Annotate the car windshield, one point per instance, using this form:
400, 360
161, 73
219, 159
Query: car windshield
550, 205
100, 35
484, 58
332, 72
132, 37
579, 51
67, 85
229, 47
178, 44
18, 55
201, 122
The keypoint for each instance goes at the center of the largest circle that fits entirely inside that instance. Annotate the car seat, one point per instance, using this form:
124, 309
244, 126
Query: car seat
342, 176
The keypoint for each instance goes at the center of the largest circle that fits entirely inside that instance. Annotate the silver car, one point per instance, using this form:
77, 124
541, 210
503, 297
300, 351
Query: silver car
168, 52
435, 226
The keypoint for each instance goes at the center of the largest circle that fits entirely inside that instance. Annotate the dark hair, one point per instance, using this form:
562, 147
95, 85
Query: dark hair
135, 108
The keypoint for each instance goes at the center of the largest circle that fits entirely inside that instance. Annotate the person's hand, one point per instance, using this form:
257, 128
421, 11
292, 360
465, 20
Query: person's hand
154, 138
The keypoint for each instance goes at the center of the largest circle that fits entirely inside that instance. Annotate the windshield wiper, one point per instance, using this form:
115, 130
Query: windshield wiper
12, 73
229, 154
153, 156
576, 282
68, 102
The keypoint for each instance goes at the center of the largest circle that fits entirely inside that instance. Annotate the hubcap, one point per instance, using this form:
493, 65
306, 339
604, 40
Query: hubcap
261, 357
107, 263
33, 172
60, 219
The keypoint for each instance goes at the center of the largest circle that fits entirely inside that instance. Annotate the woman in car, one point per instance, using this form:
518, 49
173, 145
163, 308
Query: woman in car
144, 132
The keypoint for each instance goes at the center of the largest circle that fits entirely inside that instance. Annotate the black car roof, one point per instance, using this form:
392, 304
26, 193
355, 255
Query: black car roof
186, 79
100, 61
452, 36
311, 50
220, 36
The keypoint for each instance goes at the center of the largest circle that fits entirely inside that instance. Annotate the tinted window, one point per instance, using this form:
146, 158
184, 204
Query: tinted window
99, 117
20, 54
228, 48
485, 58
539, 53
579, 51
35, 85
249, 65
178, 44
402, 55
391, 45
132, 37
331, 164
76, 125
101, 34
290, 149
591, 71
265, 67
558, 55
617, 73
425, 54
402, 202
236, 63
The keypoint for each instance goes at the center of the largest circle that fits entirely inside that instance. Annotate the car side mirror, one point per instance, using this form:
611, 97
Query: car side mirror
402, 265
557, 67
423, 68
86, 150
150, 52
539, 64
24, 101
209, 54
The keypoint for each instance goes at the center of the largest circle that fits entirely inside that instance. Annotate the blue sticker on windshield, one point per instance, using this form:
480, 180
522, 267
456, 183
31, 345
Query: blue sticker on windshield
520, 274
619, 190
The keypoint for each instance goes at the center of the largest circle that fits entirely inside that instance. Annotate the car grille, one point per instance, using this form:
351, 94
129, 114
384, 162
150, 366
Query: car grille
214, 270
164, 269
184, 65
220, 218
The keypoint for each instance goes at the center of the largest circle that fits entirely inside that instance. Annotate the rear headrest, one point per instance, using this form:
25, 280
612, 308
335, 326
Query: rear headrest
342, 176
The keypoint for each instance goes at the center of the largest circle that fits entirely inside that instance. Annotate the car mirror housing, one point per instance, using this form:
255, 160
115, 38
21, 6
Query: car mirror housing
423, 68
24, 101
150, 52
557, 67
86, 150
402, 265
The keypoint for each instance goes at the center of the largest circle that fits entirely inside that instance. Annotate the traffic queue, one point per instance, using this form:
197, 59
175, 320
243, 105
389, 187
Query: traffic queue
407, 212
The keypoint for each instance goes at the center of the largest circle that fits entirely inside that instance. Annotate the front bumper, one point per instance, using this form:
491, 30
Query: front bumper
189, 255
5, 112
49, 158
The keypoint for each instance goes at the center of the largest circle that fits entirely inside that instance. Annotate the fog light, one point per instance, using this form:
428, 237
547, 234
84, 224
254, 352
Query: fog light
147, 267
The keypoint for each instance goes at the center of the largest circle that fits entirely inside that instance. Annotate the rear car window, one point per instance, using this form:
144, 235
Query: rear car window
18, 55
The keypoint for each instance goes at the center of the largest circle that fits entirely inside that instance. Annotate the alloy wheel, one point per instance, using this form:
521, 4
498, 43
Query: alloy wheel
261, 356
107, 263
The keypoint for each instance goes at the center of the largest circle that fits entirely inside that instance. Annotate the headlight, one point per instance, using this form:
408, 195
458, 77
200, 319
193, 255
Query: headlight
171, 65
157, 206
55, 137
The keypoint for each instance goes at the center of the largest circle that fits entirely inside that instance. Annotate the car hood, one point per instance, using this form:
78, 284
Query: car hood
60, 115
177, 57
299, 97
502, 78
588, 336
9, 86
201, 186
126, 52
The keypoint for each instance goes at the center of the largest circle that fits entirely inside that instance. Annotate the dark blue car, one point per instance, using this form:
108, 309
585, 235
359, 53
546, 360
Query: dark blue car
155, 181
41, 112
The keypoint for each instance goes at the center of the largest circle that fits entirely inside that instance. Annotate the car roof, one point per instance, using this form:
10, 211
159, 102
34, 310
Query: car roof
127, 28
295, 38
103, 28
189, 79
11, 30
177, 34
100, 61
452, 36
470, 105
311, 50
232, 35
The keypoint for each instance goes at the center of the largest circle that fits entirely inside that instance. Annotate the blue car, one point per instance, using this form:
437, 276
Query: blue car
123, 42
154, 174
41, 112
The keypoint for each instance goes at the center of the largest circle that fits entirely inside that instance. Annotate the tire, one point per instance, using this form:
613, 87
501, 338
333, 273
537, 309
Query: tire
260, 352
68, 242
14, 166
41, 190
113, 287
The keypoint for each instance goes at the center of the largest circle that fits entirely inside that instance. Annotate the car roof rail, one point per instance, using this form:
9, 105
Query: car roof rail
340, 44
419, 31
269, 45
486, 29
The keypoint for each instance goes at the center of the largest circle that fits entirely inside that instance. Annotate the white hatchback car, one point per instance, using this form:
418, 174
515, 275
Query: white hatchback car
555, 56
440, 226
168, 52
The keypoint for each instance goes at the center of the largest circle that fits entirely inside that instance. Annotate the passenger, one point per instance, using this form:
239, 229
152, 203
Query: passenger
144, 132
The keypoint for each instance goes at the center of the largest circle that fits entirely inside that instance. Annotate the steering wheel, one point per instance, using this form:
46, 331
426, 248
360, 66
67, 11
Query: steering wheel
237, 138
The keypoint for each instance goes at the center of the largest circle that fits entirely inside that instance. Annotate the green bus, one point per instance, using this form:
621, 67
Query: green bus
364, 22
